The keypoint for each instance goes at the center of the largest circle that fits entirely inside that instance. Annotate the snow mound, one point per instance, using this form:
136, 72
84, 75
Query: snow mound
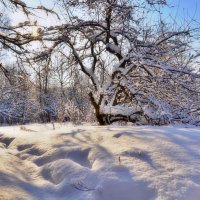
60, 169
99, 163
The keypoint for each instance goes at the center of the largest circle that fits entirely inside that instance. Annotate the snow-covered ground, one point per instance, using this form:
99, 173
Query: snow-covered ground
99, 163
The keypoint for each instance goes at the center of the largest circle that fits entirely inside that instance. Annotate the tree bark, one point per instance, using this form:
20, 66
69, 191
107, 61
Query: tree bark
96, 106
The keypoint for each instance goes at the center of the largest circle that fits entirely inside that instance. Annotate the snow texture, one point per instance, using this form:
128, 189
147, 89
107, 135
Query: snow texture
99, 163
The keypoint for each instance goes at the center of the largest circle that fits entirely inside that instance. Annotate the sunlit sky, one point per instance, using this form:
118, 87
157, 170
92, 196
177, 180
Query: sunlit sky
179, 11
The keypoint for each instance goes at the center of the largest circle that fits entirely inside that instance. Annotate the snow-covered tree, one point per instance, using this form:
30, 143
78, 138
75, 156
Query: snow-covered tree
137, 71
16, 37
18, 102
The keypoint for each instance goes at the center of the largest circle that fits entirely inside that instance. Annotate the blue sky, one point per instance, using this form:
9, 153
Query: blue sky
183, 10
180, 10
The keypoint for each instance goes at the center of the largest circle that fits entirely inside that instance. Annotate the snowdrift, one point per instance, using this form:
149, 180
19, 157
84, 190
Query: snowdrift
99, 163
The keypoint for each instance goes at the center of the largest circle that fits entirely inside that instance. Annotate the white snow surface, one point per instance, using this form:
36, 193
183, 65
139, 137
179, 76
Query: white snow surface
99, 163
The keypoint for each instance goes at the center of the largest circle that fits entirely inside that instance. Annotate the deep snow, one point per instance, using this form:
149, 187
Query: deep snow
99, 163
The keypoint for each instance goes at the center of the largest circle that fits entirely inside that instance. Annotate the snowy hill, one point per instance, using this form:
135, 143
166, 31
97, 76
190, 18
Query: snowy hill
99, 163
